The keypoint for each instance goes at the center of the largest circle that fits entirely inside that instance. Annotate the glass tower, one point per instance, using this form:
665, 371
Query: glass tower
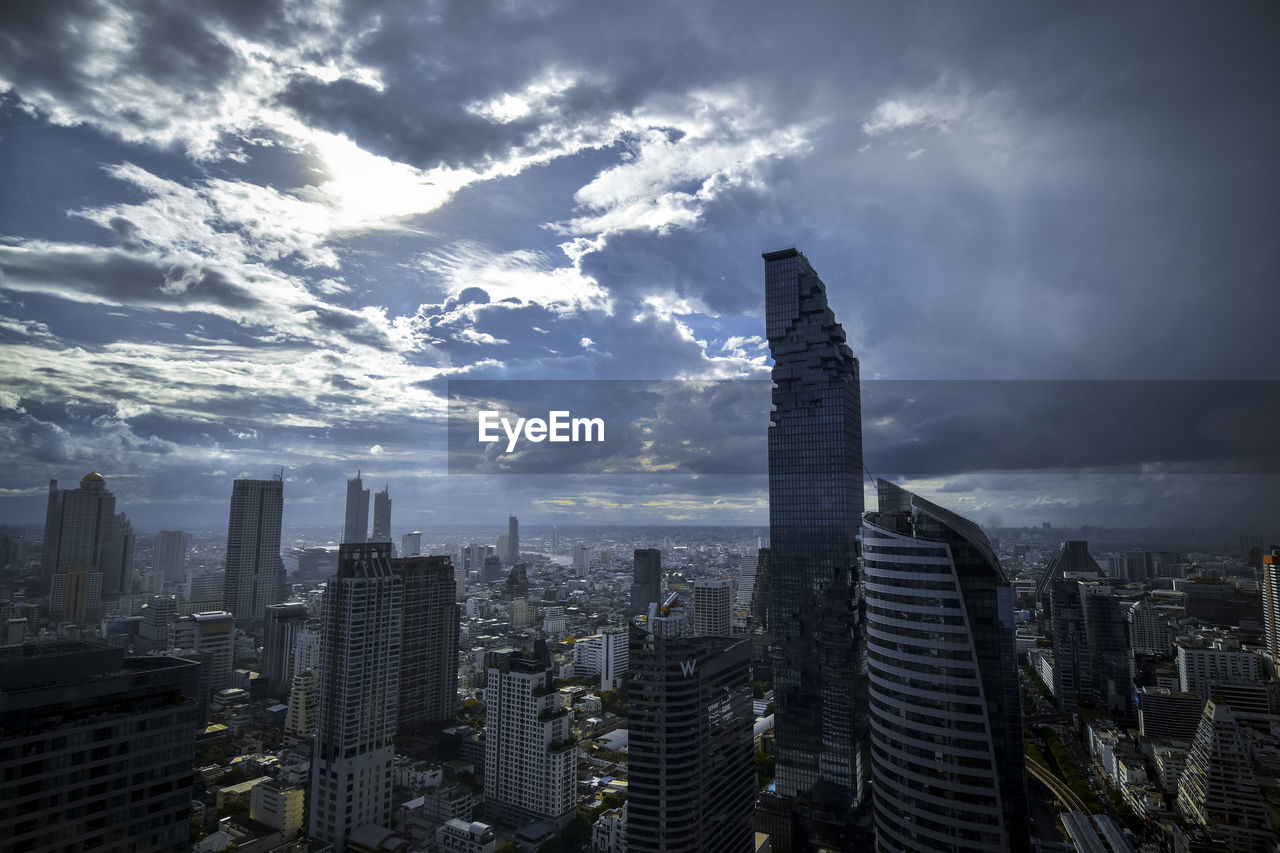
815, 509
948, 767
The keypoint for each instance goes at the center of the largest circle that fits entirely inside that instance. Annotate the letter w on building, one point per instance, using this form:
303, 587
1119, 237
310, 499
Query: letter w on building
688, 666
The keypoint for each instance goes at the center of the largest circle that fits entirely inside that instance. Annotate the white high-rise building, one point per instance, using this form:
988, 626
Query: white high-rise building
1271, 602
304, 696
605, 655
214, 633
1222, 662
255, 572
712, 610
363, 609
530, 761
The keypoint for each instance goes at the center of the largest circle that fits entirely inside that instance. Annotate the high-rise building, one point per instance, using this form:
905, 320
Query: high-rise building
604, 656
646, 584
1219, 789
280, 629
512, 556
212, 634
382, 515
76, 595
1073, 559
1219, 663
411, 544
1271, 602
948, 767
355, 528
1151, 626
82, 528
157, 622
712, 607
429, 642
304, 696
171, 555
530, 758
363, 607
255, 571
691, 778
95, 749
815, 510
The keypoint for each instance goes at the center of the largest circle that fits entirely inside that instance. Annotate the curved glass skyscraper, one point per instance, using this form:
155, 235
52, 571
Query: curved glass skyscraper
948, 767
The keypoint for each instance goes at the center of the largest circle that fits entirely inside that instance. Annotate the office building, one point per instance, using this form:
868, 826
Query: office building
307, 645
530, 758
646, 584
362, 612
1271, 602
429, 642
157, 622
280, 629
690, 769
1166, 714
1219, 790
512, 555
815, 510
300, 718
95, 749
411, 544
1220, 662
604, 656
382, 515
255, 572
1151, 626
712, 607
946, 719
745, 596
76, 595
279, 805
355, 527
171, 555
211, 634
82, 528
1073, 560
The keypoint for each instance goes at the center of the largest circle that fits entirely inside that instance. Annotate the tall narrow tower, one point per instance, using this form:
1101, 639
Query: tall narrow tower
359, 689
646, 583
255, 572
429, 645
815, 510
355, 527
382, 515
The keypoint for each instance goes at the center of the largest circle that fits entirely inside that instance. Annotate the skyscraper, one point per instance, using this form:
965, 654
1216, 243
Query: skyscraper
691, 778
76, 595
815, 509
513, 542
429, 642
82, 528
359, 688
382, 515
530, 760
712, 607
281, 626
646, 584
171, 555
946, 720
95, 749
1271, 601
255, 571
355, 527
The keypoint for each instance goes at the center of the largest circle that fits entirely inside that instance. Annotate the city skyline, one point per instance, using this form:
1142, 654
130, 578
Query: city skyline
274, 250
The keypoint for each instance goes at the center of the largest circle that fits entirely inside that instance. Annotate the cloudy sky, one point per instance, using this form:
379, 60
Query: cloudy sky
238, 236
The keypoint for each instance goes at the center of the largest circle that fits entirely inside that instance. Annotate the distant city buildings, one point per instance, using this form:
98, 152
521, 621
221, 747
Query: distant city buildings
351, 762
945, 705
411, 544
604, 656
254, 569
